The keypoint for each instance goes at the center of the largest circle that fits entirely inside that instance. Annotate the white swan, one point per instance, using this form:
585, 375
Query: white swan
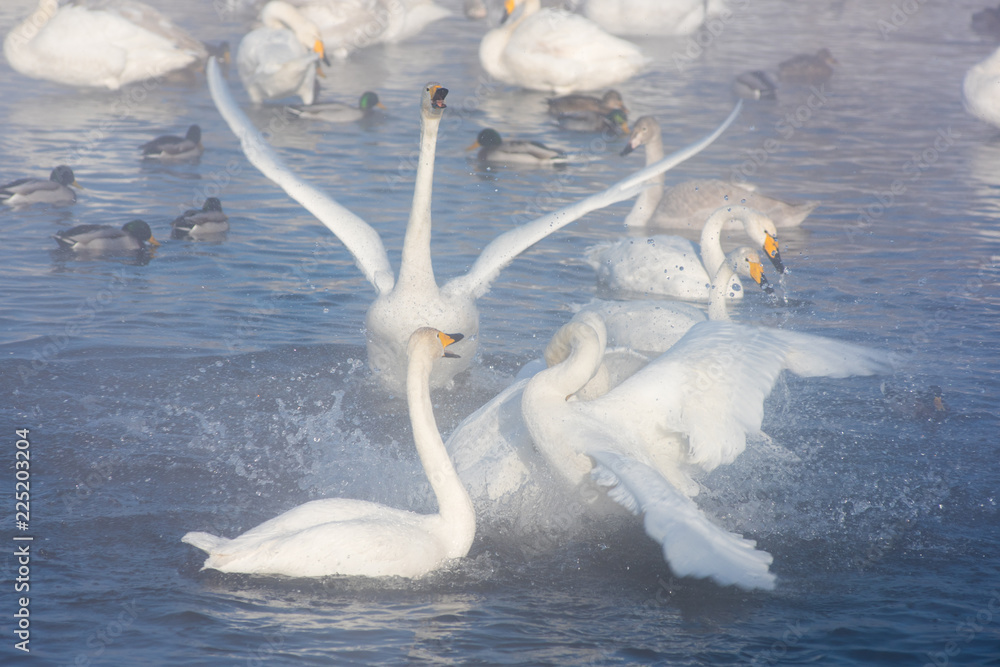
675, 267
651, 17
414, 299
100, 43
981, 89
687, 204
354, 537
349, 25
281, 57
510, 482
553, 50
690, 409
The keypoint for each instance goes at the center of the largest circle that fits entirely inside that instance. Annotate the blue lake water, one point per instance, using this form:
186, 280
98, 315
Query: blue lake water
212, 386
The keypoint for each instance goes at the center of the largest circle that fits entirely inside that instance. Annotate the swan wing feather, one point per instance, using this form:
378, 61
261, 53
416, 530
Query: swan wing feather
503, 249
692, 545
360, 239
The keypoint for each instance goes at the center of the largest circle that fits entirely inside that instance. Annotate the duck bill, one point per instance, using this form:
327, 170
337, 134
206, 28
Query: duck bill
77, 185
153, 242
473, 146
771, 248
448, 339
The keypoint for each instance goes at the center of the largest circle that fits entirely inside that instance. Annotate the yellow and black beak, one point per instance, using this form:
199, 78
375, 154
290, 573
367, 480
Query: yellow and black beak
757, 273
508, 9
438, 93
321, 50
771, 248
448, 339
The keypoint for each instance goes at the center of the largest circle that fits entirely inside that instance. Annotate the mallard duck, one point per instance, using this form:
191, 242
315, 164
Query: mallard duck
554, 50
207, 221
610, 101
102, 238
338, 112
808, 68
281, 58
495, 150
104, 44
755, 85
615, 122
55, 190
170, 148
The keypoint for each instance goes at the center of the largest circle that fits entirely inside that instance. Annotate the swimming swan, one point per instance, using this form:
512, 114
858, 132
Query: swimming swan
687, 204
100, 44
414, 299
556, 51
981, 89
280, 58
651, 17
354, 537
675, 267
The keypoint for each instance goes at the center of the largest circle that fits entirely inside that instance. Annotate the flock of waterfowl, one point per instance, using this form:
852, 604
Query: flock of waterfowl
638, 397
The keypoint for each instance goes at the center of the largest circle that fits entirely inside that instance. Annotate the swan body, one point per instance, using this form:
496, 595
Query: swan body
170, 148
338, 112
675, 267
553, 50
100, 43
807, 68
981, 89
209, 221
104, 238
651, 17
280, 58
349, 25
493, 149
413, 298
54, 190
687, 205
353, 537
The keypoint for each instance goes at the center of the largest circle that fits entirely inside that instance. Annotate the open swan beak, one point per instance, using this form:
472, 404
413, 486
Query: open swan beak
448, 339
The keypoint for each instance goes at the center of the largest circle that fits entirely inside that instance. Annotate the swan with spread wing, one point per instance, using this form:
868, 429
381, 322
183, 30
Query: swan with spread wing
413, 298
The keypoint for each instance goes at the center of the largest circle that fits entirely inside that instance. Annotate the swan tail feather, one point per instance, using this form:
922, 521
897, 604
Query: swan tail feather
692, 545
360, 239
504, 248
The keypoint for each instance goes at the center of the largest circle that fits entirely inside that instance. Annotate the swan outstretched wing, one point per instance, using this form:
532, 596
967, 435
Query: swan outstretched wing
711, 384
503, 249
360, 239
692, 545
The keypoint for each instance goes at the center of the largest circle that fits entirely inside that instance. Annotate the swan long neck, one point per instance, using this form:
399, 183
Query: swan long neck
712, 256
454, 504
717, 308
647, 201
416, 268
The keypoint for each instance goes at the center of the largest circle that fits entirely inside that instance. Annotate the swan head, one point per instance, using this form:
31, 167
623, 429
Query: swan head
758, 227
432, 341
645, 130
746, 262
432, 101
280, 14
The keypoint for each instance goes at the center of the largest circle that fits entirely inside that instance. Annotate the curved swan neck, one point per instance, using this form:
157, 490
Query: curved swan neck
575, 355
454, 504
712, 256
416, 267
717, 308
647, 201
279, 14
